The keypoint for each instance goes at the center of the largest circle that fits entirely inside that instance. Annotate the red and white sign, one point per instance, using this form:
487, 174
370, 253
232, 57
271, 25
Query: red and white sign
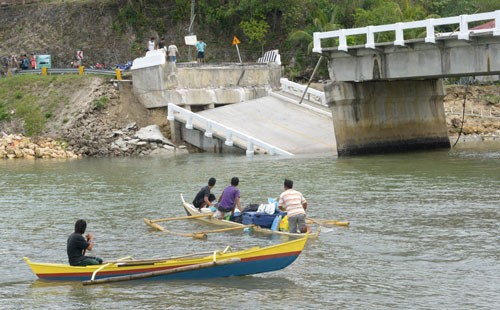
79, 54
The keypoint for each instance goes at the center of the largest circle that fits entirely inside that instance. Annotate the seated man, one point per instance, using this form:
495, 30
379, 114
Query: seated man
78, 244
229, 199
202, 199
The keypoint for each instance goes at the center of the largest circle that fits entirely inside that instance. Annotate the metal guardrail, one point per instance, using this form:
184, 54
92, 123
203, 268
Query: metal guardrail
67, 71
312, 95
208, 126
398, 28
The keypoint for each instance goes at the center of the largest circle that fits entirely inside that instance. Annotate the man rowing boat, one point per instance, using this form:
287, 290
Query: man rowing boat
77, 245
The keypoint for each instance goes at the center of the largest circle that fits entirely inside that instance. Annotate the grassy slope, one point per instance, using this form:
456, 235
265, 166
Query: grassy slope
37, 105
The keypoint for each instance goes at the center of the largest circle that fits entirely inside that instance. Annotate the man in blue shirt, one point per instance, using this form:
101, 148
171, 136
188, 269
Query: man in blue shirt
200, 47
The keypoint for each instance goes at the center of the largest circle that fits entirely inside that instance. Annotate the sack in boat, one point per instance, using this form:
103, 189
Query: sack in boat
284, 224
251, 208
237, 217
269, 208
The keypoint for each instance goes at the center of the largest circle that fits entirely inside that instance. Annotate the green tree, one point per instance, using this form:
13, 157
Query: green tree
255, 30
382, 12
322, 21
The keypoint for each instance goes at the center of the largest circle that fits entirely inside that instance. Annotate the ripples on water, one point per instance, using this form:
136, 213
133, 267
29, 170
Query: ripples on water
424, 230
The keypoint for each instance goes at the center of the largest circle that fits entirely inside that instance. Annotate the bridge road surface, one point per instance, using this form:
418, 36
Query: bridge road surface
289, 126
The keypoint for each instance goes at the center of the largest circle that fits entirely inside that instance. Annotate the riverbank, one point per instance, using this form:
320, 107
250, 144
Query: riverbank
89, 116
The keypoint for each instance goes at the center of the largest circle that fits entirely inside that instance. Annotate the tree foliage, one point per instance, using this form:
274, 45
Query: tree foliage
255, 30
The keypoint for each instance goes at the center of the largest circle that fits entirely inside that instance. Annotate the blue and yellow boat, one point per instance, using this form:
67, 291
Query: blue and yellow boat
192, 266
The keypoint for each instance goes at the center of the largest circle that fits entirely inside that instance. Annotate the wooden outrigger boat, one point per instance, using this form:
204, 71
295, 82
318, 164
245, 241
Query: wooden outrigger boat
196, 214
195, 266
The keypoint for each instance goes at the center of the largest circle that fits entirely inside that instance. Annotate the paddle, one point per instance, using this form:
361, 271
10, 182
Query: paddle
162, 272
195, 235
161, 228
187, 217
323, 222
132, 262
225, 229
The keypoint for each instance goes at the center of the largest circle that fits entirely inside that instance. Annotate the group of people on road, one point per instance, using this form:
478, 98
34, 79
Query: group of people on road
290, 200
15, 62
172, 51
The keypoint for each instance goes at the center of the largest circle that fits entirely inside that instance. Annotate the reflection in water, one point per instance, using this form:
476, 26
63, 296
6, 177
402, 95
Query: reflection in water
424, 229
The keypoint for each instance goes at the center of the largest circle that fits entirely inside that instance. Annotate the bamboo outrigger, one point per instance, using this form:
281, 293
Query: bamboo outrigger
196, 214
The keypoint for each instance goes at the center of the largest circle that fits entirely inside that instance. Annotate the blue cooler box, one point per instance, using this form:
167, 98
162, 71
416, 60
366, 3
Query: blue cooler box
266, 220
248, 218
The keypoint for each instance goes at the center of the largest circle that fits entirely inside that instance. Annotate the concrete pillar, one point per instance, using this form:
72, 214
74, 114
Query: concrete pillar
388, 116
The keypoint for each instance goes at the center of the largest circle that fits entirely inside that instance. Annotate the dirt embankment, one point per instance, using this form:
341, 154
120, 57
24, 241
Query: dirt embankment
91, 116
479, 104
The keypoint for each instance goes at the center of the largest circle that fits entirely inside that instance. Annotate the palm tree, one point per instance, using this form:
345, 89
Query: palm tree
321, 22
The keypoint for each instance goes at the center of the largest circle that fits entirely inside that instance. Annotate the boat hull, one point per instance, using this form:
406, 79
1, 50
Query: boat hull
251, 261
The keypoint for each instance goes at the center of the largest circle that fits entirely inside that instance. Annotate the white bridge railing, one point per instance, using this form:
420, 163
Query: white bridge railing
296, 89
429, 24
209, 126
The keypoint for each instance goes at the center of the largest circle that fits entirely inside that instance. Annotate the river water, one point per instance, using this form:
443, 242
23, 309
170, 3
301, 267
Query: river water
424, 230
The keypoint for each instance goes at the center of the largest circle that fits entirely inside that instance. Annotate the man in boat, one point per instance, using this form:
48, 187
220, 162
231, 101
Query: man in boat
77, 245
229, 199
294, 203
204, 198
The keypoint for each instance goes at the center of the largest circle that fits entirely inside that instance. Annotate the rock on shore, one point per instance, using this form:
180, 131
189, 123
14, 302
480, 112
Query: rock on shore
18, 146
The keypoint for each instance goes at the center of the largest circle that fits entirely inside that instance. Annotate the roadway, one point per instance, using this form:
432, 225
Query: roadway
280, 121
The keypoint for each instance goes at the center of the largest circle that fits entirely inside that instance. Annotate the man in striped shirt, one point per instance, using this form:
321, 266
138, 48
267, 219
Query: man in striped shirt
295, 205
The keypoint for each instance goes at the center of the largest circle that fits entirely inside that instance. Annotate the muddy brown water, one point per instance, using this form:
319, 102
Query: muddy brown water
424, 230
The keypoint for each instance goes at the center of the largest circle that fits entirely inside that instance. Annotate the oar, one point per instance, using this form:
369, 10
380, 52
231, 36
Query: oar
187, 217
161, 228
120, 262
328, 222
162, 272
224, 229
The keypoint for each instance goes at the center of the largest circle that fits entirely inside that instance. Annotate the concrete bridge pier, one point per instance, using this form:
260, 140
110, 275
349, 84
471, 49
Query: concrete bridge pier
376, 117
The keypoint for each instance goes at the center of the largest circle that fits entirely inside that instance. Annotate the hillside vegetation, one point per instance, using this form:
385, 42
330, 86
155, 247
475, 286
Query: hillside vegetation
115, 31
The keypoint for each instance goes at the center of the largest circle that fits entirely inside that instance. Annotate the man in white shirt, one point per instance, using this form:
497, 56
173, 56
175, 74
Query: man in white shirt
172, 52
295, 205
151, 44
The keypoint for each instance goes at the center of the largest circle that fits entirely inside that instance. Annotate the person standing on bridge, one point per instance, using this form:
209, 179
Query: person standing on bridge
295, 205
200, 47
172, 52
151, 45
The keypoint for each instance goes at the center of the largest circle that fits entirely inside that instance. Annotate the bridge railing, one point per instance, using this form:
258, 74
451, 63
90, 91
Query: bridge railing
398, 28
209, 126
296, 89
